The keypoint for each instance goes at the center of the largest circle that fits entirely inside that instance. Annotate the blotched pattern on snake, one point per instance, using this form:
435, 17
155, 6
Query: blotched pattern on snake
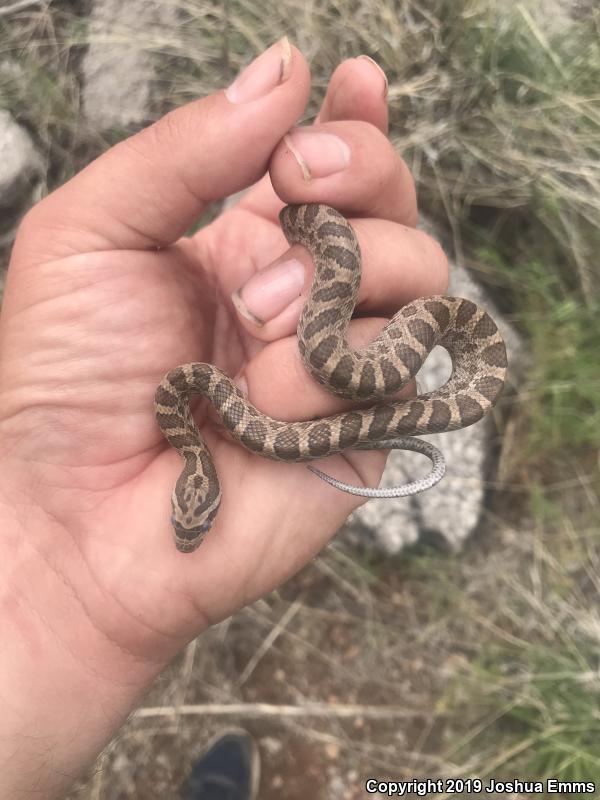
466, 331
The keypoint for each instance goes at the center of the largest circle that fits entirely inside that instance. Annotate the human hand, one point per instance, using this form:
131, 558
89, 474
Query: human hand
104, 296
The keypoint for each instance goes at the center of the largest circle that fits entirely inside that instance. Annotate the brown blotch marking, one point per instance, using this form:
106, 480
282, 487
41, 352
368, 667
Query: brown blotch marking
409, 310
287, 444
311, 212
187, 535
326, 273
221, 393
210, 498
485, 327
322, 320
334, 215
439, 311
254, 434
440, 416
495, 355
366, 384
394, 331
289, 216
409, 357
208, 468
342, 374
489, 387
409, 422
235, 413
179, 440
320, 355
191, 461
379, 427
342, 256
188, 547
169, 420
391, 377
339, 290
178, 380
202, 376
464, 344
465, 311
319, 439
165, 397
350, 426
422, 331
469, 409
180, 485
335, 229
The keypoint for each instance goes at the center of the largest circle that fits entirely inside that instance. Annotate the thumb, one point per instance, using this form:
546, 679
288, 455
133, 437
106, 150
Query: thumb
148, 189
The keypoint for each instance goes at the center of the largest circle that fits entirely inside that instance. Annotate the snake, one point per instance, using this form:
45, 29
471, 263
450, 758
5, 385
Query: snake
370, 377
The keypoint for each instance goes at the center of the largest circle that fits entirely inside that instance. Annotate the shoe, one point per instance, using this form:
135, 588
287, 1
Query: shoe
229, 770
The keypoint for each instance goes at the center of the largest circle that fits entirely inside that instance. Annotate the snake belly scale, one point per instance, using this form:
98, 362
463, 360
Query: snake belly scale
370, 375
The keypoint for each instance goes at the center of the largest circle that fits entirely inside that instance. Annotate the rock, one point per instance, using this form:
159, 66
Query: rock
117, 69
449, 512
21, 174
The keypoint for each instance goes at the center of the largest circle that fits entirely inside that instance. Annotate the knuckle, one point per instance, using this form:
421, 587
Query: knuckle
437, 263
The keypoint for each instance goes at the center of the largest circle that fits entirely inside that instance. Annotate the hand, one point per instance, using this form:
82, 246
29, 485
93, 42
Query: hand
103, 297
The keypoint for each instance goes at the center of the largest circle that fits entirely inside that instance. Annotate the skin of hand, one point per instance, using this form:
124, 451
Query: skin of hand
104, 295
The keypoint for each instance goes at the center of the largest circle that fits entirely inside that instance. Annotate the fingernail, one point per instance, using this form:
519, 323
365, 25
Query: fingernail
381, 72
270, 291
318, 154
264, 73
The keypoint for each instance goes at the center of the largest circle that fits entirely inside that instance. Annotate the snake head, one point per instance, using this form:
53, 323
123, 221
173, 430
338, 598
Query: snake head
195, 504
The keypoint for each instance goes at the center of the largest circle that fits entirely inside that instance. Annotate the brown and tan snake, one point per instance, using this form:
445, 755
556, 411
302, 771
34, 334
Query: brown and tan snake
466, 331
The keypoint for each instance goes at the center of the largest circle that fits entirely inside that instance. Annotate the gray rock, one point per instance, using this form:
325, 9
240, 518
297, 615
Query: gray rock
117, 69
451, 510
21, 174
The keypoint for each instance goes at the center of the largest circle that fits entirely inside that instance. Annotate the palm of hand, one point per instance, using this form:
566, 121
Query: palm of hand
79, 403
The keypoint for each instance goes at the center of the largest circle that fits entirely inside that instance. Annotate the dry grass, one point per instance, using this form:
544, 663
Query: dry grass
484, 664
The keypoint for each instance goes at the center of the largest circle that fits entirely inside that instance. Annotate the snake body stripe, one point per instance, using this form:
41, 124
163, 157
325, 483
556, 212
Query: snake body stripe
467, 331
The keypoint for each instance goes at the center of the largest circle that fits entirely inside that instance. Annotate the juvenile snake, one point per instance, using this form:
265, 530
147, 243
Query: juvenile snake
468, 333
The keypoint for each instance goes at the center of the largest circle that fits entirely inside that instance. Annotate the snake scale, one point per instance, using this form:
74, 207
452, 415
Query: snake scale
370, 375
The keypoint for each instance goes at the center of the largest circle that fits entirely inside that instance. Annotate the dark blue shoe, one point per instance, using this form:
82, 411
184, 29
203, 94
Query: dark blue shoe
229, 770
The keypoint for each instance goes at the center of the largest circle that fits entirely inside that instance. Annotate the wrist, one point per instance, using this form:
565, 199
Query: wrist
65, 686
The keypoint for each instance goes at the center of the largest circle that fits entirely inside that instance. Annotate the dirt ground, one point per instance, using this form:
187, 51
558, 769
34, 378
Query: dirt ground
356, 637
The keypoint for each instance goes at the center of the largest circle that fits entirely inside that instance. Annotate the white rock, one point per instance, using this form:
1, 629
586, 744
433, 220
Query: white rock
21, 173
117, 68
